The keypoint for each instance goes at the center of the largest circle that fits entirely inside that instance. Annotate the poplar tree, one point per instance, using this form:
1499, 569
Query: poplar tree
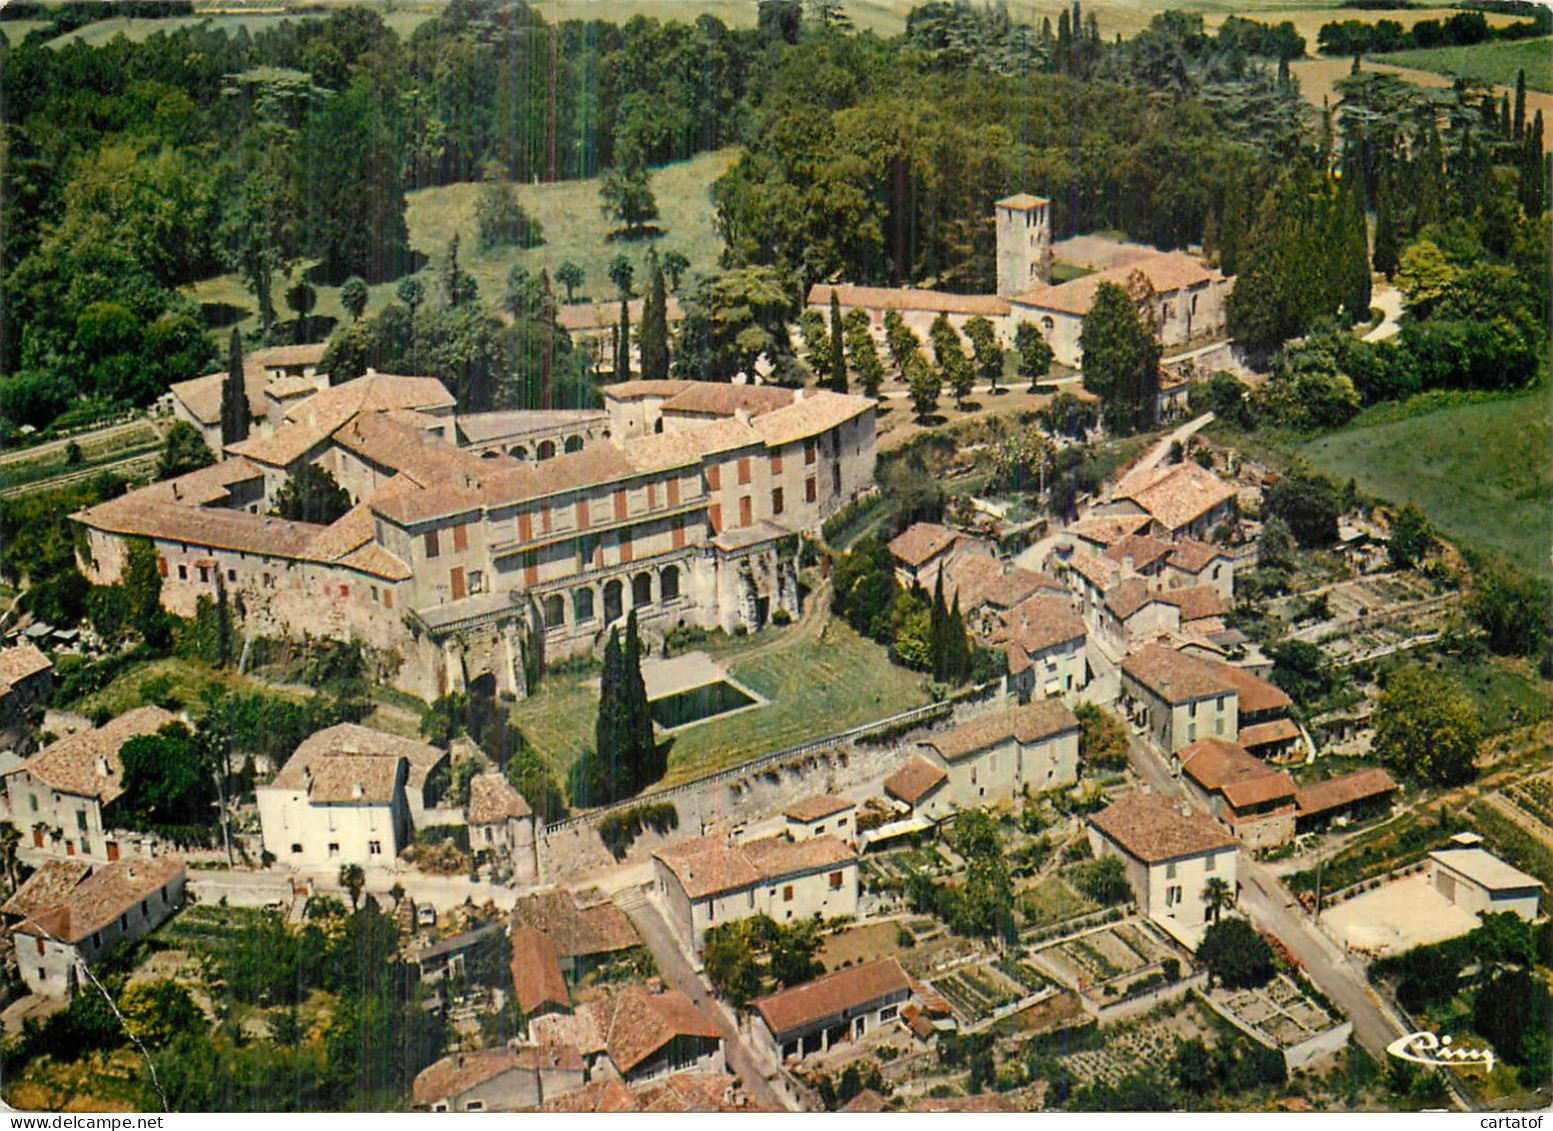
838, 361
654, 334
234, 396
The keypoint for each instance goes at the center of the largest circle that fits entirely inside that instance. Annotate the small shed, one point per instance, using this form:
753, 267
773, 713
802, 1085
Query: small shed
1481, 882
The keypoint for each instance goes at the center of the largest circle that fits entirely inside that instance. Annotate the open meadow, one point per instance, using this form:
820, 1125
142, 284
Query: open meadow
1482, 471
1496, 63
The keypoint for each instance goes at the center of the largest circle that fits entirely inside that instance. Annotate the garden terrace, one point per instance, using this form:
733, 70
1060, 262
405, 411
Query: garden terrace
1111, 963
1151, 1041
1283, 1017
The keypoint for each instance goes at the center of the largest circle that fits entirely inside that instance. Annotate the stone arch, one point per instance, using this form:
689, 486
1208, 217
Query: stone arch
582, 604
483, 686
641, 589
574, 443
1048, 324
668, 583
614, 600
546, 449
518, 451
490, 453
555, 610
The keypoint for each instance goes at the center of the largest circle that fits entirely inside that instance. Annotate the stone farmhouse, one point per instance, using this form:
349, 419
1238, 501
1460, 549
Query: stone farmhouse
1255, 801
1182, 501
918, 786
920, 551
712, 880
61, 799
639, 1035
26, 678
505, 1079
584, 935
1170, 852
71, 914
348, 795
1179, 698
832, 1010
536, 975
502, 824
1363, 793
479, 567
1179, 294
824, 815
998, 756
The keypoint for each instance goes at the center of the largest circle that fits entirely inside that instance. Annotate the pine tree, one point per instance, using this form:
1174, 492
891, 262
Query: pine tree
654, 334
234, 396
623, 344
1518, 126
838, 361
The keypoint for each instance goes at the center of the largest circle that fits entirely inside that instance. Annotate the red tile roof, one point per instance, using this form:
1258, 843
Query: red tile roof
76, 764
1139, 549
1153, 828
904, 298
710, 865
1041, 719
1178, 495
1042, 622
19, 663
817, 808
100, 898
921, 541
1218, 765
1336, 793
1256, 694
914, 781
853, 988
1268, 734
492, 798
536, 972
576, 931
1166, 272
1176, 677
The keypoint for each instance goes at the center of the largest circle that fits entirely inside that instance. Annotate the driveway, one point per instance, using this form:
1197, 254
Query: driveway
1389, 300
677, 972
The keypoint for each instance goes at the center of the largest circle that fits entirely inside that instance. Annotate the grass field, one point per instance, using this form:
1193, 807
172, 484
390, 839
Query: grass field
187, 677
817, 684
1483, 472
1495, 63
574, 229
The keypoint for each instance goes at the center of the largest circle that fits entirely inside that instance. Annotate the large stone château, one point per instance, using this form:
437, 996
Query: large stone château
683, 503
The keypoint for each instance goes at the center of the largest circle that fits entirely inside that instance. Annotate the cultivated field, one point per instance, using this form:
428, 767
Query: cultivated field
1495, 63
1482, 471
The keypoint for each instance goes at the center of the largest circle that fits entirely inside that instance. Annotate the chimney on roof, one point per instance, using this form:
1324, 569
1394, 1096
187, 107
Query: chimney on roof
103, 769
742, 415
130, 872
371, 372
357, 791
800, 394
1186, 809
655, 985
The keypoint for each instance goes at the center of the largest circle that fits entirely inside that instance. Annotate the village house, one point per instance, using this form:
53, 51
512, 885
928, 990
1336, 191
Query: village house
1348, 797
919, 785
449, 955
473, 565
73, 913
1044, 640
833, 1009
640, 1034
988, 589
504, 1079
536, 975
824, 815
920, 551
1170, 852
997, 756
1484, 884
61, 799
1254, 800
348, 795
1178, 698
1181, 500
274, 380
502, 824
26, 679
1098, 533
712, 880
585, 935
701, 1092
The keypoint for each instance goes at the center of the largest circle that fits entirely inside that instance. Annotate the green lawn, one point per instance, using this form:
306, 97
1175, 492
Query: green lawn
188, 678
574, 227
1496, 63
815, 687
1483, 472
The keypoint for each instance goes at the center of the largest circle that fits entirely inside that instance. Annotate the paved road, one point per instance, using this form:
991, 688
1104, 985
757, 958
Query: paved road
677, 972
1389, 300
1181, 435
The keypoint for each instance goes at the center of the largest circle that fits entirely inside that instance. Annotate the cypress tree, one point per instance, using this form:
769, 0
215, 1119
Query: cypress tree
1386, 249
838, 360
654, 335
938, 632
1518, 125
234, 396
623, 345
637, 712
608, 736
1533, 170
960, 643
1505, 122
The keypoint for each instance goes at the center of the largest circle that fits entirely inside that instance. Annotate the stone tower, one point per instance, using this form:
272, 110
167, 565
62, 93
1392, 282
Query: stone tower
1024, 228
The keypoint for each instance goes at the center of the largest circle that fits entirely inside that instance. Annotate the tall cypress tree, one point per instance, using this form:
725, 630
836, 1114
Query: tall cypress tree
607, 781
838, 361
938, 632
654, 334
1386, 243
1533, 169
637, 712
960, 643
623, 343
1518, 125
234, 396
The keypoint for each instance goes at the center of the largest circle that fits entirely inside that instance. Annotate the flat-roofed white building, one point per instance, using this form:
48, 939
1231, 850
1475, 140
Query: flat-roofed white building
1481, 882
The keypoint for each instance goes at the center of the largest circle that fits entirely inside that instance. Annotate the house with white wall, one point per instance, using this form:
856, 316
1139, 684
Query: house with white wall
832, 1010
1170, 852
1482, 883
999, 755
713, 880
1179, 698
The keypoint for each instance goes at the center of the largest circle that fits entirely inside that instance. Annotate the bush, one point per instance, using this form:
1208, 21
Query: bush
619, 830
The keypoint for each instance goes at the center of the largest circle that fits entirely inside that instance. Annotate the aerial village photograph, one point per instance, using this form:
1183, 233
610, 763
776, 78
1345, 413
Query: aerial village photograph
776, 556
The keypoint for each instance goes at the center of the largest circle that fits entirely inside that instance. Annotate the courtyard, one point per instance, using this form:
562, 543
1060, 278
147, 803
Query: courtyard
1396, 917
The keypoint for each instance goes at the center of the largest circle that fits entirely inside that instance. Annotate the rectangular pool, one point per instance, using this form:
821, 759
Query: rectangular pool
704, 702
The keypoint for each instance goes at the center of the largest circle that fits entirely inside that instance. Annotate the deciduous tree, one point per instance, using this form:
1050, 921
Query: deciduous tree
1121, 360
1427, 727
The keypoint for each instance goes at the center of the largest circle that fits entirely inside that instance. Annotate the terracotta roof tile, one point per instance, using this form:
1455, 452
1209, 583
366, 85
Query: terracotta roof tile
71, 764
694, 1092
1042, 622
1199, 602
906, 298
1100, 572
599, 1097
586, 316
921, 541
1194, 557
818, 413
635, 1023
1177, 495
1335, 793
492, 798
576, 931
1176, 677
867, 1101
19, 663
1256, 694
1107, 530
634, 390
46, 888
1152, 828
914, 781
1040, 719
454, 1075
1022, 202
102, 897
1218, 765
1140, 549
536, 972
1267, 734
1167, 271
202, 526
817, 808
1131, 596
981, 580
709, 865
852, 988
720, 398
201, 396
